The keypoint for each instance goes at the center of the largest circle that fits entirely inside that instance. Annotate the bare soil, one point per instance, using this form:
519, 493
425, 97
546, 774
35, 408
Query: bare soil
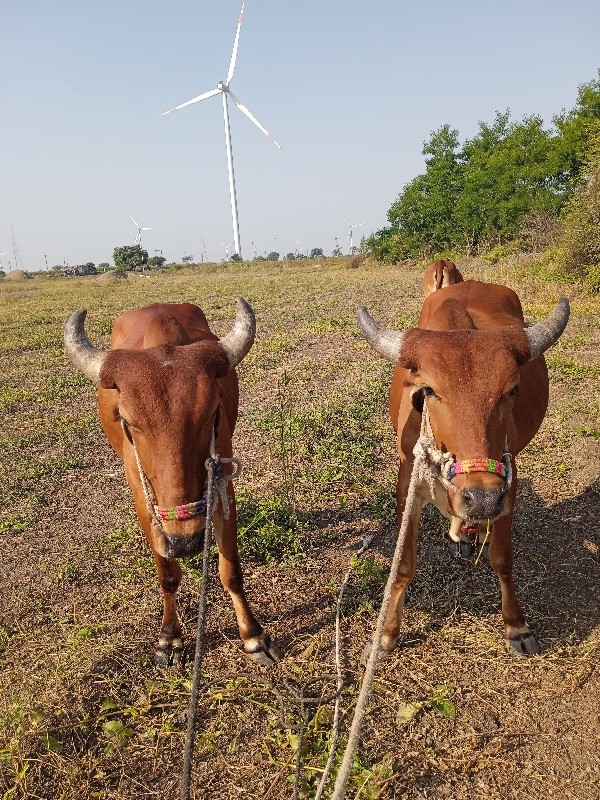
83, 711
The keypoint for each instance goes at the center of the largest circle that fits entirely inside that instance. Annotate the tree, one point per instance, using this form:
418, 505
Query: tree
581, 223
316, 252
236, 257
187, 259
91, 268
130, 257
290, 257
272, 256
104, 266
156, 261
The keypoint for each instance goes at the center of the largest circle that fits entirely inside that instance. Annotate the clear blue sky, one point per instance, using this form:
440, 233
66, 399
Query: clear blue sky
350, 89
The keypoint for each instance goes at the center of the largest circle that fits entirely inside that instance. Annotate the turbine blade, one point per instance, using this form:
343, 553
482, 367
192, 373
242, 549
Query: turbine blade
147, 229
194, 100
134, 222
252, 118
346, 221
235, 47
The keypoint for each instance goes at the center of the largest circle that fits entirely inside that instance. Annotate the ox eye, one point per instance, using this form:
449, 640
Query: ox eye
514, 391
428, 392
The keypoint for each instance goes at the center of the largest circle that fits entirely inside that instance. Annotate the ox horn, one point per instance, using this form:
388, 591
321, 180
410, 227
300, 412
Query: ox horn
385, 342
87, 358
240, 338
544, 334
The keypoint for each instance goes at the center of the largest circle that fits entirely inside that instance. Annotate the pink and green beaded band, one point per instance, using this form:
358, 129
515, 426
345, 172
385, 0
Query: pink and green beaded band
478, 465
196, 509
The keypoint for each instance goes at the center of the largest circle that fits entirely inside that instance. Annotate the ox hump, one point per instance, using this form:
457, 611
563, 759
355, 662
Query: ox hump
163, 329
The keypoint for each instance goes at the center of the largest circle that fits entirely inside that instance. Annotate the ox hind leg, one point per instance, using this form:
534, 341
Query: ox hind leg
519, 639
408, 559
257, 643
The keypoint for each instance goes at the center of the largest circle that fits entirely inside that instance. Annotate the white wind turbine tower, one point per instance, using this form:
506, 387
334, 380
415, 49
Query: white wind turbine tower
226, 246
223, 89
138, 237
350, 227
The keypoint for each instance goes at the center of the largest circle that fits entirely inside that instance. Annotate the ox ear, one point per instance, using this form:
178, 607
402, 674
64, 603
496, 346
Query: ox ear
387, 343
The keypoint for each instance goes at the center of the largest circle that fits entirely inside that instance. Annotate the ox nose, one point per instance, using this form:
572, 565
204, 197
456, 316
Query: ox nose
482, 503
184, 546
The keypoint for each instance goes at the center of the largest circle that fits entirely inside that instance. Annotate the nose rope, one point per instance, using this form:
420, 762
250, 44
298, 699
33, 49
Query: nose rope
433, 464
198, 508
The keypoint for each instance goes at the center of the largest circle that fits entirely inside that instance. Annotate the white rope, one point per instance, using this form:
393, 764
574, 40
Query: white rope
340, 681
421, 464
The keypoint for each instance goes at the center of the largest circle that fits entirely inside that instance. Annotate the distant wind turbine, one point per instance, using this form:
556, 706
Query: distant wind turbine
2, 254
223, 88
350, 228
138, 237
226, 246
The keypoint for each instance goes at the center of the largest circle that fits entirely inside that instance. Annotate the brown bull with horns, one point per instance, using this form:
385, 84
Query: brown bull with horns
471, 387
167, 388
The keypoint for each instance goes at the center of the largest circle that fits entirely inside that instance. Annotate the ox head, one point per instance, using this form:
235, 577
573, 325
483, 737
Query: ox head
469, 380
159, 406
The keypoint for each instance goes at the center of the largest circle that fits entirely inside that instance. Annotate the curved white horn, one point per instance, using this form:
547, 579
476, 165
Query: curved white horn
240, 338
544, 334
87, 358
385, 342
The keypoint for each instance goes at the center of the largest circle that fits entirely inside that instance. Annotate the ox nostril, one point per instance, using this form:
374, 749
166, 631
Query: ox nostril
480, 504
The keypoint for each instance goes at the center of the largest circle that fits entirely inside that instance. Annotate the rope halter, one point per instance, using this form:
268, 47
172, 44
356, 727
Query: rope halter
434, 464
198, 508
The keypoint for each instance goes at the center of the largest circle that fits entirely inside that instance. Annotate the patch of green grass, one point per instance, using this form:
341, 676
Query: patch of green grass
268, 530
573, 369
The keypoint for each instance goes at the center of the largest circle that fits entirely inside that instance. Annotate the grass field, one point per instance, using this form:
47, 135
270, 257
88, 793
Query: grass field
83, 711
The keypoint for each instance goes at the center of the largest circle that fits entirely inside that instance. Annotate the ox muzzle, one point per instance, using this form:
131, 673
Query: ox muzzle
184, 546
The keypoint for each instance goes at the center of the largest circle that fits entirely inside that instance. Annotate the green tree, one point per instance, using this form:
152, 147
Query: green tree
273, 256
422, 214
316, 252
104, 266
290, 257
156, 261
130, 257
187, 259
581, 222
236, 257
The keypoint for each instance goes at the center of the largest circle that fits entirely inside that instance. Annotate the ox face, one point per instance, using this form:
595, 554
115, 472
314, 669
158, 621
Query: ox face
470, 402
166, 401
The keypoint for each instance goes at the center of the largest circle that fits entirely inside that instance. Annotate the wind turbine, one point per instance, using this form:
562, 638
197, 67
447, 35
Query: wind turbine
226, 246
2, 254
350, 227
223, 89
138, 238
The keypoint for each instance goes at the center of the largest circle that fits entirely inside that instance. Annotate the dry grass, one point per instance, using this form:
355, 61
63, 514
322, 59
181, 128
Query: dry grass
84, 714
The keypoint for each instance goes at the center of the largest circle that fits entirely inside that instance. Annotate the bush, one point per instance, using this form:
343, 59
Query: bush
581, 224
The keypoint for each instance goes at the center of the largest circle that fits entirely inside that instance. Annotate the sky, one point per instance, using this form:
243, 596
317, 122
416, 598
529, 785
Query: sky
351, 90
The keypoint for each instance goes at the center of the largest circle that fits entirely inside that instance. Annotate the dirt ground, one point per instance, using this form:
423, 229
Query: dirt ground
83, 711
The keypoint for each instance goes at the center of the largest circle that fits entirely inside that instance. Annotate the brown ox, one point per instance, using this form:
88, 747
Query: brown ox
164, 386
440, 274
482, 378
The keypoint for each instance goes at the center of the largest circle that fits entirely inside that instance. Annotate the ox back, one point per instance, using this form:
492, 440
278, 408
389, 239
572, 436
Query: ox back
165, 387
480, 377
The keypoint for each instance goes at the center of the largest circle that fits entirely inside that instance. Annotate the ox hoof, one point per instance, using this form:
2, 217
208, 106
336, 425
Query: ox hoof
523, 644
262, 650
168, 654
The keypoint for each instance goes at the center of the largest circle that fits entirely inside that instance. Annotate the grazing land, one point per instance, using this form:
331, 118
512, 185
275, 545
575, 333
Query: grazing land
83, 711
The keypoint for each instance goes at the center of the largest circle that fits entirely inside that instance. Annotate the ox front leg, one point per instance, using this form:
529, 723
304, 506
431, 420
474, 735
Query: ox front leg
519, 639
170, 644
408, 559
257, 642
